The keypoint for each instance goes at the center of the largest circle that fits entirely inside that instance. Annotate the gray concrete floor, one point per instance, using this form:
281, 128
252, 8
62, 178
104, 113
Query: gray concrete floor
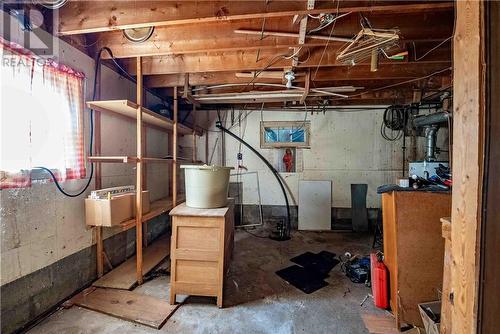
256, 299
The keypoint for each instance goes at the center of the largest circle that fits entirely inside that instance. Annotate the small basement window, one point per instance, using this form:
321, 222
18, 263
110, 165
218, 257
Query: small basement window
42, 119
284, 134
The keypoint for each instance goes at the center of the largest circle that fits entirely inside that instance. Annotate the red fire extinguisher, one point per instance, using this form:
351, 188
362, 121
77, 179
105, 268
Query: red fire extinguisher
380, 282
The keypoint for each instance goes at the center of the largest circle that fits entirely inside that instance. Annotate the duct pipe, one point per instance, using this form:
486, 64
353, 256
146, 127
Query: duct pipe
436, 118
430, 142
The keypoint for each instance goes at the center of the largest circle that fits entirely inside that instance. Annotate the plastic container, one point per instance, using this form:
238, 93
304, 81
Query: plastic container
380, 282
206, 186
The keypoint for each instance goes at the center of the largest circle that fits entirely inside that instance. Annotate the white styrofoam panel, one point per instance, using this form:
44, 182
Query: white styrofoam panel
315, 199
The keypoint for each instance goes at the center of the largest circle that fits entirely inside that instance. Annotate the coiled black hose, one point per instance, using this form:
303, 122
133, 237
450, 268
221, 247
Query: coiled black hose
394, 119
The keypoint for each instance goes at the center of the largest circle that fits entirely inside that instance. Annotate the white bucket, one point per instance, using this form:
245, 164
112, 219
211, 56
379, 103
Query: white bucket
206, 186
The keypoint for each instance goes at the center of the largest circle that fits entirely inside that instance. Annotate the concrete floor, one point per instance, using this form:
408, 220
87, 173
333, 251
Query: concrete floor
257, 300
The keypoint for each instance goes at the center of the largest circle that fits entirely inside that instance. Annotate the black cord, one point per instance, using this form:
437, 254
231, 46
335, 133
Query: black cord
255, 235
275, 172
91, 143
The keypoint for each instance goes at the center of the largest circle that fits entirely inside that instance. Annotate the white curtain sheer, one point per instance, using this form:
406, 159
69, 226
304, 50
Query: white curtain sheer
41, 119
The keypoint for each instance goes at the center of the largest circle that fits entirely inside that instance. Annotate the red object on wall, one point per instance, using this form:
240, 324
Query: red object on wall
380, 282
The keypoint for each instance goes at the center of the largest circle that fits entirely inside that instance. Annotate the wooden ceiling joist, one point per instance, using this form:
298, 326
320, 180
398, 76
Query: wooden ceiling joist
79, 17
246, 61
279, 33
395, 71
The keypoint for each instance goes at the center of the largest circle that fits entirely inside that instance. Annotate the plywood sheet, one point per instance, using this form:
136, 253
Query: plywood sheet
315, 212
184, 210
127, 305
124, 276
379, 323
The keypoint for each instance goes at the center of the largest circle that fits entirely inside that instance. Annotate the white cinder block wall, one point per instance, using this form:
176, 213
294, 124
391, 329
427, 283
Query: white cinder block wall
39, 225
346, 147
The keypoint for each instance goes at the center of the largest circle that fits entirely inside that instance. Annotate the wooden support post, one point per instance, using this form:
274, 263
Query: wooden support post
174, 164
144, 183
138, 197
170, 166
307, 85
469, 86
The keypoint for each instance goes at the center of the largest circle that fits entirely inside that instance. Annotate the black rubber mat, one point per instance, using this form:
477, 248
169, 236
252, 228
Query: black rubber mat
322, 262
303, 279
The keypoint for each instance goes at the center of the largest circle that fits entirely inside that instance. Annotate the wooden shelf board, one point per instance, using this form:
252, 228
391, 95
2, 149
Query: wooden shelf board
113, 159
124, 276
129, 109
128, 159
157, 208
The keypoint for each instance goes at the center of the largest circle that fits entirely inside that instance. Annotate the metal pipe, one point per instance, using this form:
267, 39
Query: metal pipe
430, 142
431, 119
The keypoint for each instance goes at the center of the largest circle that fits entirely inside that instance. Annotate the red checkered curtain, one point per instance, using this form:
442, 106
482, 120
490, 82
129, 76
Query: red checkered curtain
42, 118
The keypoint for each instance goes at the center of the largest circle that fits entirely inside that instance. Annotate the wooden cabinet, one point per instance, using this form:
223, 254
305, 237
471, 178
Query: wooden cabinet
201, 249
414, 249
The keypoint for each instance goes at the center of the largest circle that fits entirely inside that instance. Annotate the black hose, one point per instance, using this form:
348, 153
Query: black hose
218, 124
394, 119
91, 142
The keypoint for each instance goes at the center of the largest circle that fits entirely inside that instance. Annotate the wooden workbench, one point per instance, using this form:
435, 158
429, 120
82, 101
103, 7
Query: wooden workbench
414, 249
201, 248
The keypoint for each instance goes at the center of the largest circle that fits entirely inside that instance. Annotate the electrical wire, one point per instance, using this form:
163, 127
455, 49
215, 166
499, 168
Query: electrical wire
255, 235
327, 42
399, 83
428, 52
91, 141
272, 61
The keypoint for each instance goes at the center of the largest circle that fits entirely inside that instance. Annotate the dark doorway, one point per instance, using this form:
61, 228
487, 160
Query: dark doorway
489, 303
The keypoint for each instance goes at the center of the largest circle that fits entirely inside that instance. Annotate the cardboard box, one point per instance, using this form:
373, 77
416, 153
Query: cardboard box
112, 212
431, 325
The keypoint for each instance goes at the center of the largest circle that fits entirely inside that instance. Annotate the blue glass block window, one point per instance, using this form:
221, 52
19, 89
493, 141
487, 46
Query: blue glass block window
287, 135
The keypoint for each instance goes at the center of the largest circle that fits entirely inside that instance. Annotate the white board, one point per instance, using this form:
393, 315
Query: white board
315, 205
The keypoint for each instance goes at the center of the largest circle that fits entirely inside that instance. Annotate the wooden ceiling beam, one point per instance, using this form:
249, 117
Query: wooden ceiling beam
245, 61
79, 17
396, 71
389, 96
246, 35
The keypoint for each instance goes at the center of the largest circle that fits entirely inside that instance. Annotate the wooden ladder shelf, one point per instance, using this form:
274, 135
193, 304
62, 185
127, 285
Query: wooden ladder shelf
131, 271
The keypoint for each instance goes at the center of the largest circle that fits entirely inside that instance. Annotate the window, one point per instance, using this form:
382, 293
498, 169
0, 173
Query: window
284, 134
41, 118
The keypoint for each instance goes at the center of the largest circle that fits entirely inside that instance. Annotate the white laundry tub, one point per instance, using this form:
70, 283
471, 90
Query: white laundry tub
206, 186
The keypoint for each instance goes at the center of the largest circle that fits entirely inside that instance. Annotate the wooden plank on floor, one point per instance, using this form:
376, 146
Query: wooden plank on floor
379, 323
123, 276
126, 305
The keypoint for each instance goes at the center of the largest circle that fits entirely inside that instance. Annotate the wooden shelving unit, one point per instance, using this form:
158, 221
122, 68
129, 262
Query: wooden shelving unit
132, 270
128, 159
157, 208
128, 109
